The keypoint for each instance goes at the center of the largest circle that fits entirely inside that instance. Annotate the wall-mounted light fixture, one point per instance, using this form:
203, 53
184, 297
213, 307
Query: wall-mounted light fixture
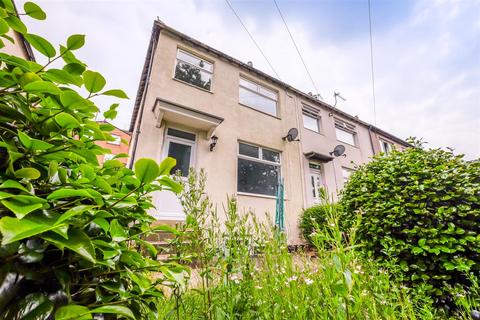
213, 142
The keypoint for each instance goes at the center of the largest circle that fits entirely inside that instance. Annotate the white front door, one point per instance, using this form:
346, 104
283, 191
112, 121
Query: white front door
315, 182
179, 145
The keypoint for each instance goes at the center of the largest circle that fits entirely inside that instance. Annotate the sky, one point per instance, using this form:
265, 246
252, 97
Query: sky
426, 53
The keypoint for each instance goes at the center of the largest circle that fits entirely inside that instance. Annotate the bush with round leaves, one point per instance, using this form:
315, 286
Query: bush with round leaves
421, 209
70, 228
314, 217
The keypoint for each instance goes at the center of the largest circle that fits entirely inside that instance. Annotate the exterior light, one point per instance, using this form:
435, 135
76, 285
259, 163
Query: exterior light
214, 140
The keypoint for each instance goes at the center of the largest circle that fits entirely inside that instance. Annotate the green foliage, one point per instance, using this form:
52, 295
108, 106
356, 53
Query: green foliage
313, 217
244, 271
70, 229
420, 208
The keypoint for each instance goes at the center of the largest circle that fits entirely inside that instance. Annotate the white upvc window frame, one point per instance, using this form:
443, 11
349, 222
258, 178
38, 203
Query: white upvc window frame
259, 88
347, 128
311, 115
196, 56
389, 148
259, 160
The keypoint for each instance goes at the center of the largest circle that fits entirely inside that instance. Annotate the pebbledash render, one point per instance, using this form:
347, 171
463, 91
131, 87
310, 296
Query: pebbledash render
211, 111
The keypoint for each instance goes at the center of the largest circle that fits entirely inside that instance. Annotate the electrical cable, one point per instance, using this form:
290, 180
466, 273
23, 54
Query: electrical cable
298, 50
251, 37
371, 65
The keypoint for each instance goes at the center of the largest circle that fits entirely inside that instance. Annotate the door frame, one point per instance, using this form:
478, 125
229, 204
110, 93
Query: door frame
319, 174
192, 144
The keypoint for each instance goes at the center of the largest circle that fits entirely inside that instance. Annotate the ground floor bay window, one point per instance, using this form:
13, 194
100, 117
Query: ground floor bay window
258, 170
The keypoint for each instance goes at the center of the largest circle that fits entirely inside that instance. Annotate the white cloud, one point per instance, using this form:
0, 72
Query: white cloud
422, 89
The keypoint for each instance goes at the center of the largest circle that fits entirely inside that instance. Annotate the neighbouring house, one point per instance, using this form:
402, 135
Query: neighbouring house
209, 110
118, 146
20, 48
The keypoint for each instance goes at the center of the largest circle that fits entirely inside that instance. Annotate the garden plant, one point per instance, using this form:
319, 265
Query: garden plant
420, 209
70, 228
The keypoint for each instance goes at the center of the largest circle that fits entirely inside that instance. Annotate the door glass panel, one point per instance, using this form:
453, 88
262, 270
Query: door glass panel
181, 153
181, 134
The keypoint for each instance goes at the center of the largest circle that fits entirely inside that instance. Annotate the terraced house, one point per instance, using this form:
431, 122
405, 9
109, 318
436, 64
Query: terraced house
209, 110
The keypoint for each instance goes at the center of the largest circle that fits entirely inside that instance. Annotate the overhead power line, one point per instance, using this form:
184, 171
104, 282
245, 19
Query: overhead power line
371, 65
298, 50
253, 39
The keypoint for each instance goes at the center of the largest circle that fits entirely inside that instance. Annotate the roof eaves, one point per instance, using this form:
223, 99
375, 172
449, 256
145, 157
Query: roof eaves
159, 25
143, 78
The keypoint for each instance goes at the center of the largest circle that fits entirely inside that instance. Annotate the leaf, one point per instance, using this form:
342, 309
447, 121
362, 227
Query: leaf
14, 229
25, 139
3, 26
41, 44
167, 182
146, 170
69, 193
22, 205
66, 120
34, 144
116, 93
78, 241
117, 232
74, 68
42, 87
166, 166
422, 242
75, 41
73, 212
28, 173
16, 24
73, 312
111, 113
167, 228
62, 76
12, 184
94, 81
102, 223
34, 11
120, 310
34, 306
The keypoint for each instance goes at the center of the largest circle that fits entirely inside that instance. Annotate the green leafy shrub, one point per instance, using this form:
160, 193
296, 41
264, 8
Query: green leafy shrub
244, 270
420, 208
70, 229
313, 217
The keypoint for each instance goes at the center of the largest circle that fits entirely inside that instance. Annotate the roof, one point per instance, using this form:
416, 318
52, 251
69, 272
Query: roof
158, 26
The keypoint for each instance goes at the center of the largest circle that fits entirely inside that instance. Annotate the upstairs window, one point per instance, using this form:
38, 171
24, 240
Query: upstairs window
258, 170
311, 119
345, 132
193, 70
386, 147
258, 97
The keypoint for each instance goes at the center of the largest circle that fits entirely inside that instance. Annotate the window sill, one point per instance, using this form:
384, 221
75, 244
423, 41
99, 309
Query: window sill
317, 132
194, 86
254, 109
256, 195
351, 145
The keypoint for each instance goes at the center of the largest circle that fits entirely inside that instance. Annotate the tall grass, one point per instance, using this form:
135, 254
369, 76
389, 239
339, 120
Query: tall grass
242, 269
